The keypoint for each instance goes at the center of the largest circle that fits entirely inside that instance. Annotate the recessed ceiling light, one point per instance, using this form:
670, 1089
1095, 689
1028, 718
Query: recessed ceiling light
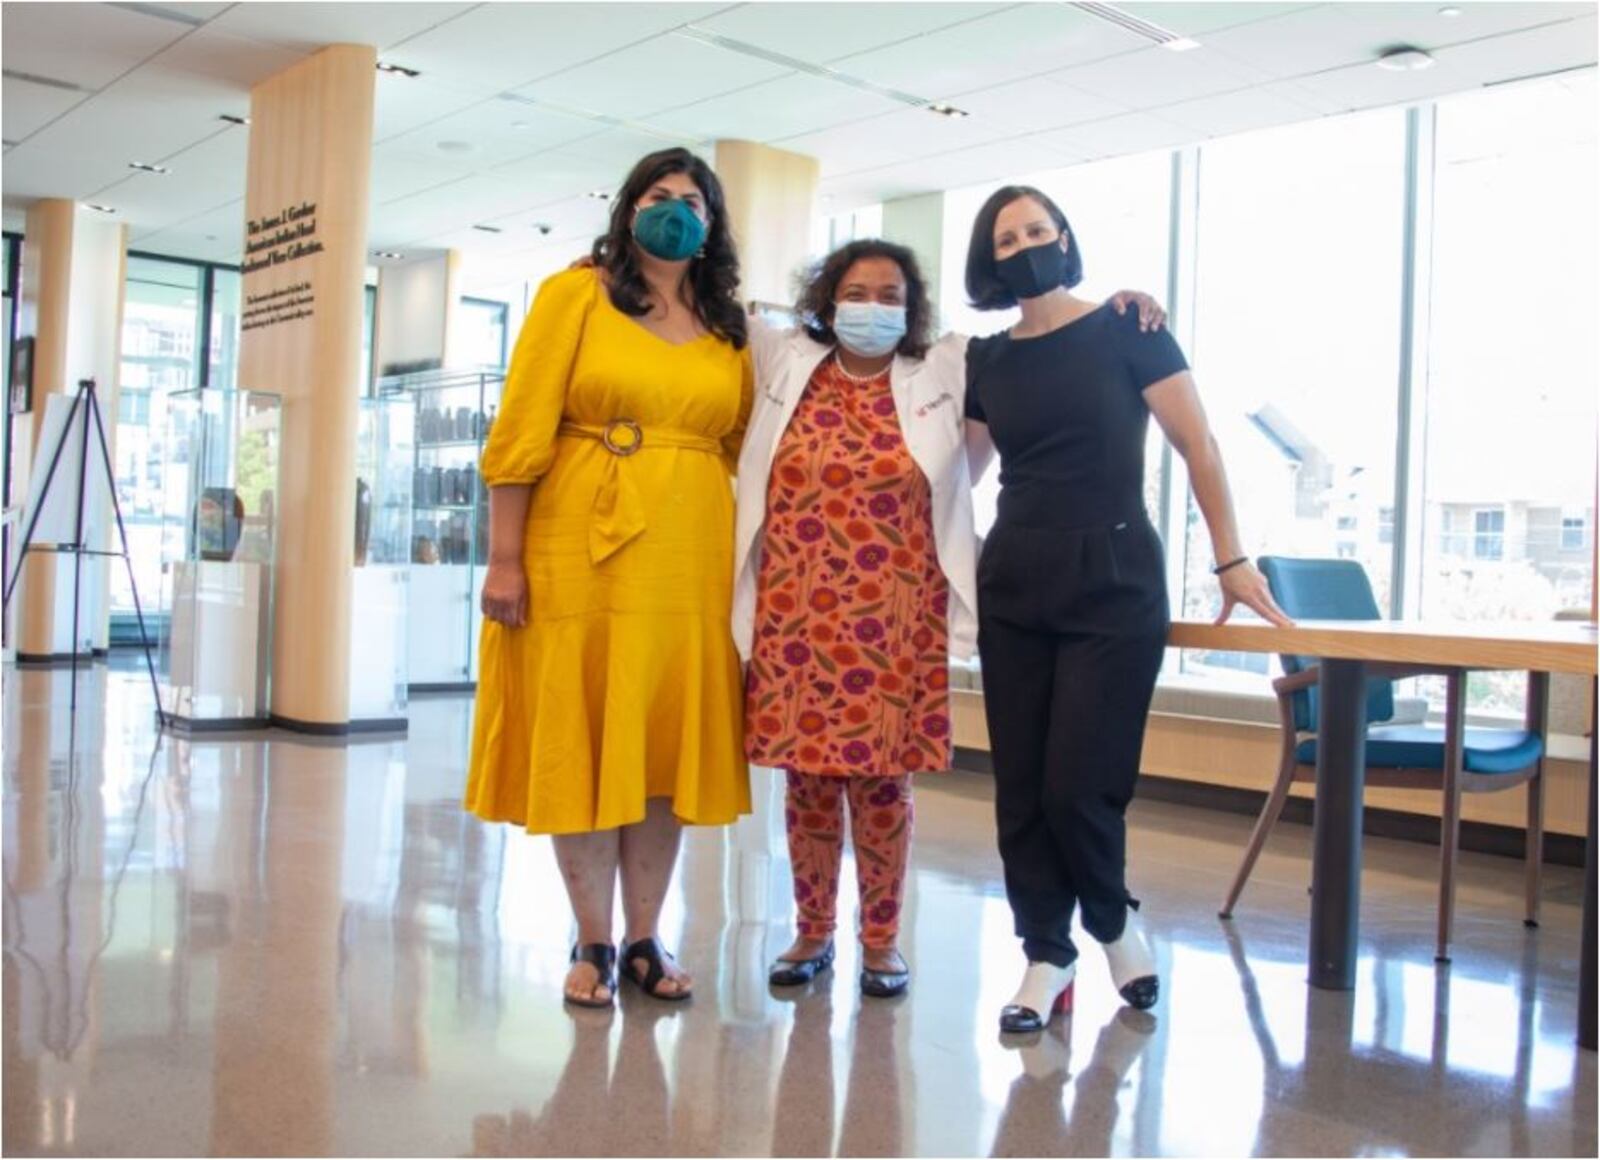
1181, 44
1405, 60
456, 146
146, 167
397, 69
233, 120
388, 254
1450, 12
488, 229
100, 208
947, 111
600, 194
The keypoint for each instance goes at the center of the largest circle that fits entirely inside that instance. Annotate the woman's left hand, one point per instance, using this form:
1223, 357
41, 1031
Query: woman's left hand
1151, 314
1243, 584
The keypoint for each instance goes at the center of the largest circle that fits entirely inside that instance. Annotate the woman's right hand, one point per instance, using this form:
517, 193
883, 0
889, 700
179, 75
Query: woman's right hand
505, 594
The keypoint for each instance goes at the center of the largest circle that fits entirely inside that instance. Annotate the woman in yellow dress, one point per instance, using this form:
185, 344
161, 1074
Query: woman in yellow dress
609, 703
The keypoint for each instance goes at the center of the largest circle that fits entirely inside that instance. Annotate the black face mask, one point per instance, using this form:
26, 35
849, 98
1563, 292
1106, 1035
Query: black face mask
1034, 271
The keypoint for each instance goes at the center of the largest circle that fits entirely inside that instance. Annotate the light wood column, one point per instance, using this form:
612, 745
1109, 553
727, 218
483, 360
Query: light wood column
772, 200
71, 293
304, 281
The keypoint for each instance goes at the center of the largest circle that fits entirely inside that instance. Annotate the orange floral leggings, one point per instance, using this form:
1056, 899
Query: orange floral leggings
880, 827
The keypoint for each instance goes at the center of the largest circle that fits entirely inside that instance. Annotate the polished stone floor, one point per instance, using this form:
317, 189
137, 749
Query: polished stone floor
271, 947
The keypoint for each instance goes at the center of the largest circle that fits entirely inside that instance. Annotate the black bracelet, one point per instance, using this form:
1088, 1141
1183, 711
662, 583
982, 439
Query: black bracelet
1221, 568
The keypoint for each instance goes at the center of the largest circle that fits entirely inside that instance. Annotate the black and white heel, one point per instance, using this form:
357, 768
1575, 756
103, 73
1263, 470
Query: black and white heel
1046, 991
1133, 965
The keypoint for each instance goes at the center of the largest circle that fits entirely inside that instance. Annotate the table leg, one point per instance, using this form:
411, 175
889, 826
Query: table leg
1336, 834
1586, 961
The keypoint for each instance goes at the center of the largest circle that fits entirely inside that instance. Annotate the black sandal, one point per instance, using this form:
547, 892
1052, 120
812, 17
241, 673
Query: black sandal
603, 958
652, 952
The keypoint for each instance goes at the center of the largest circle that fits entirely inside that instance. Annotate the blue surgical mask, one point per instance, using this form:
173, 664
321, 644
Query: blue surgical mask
869, 329
669, 230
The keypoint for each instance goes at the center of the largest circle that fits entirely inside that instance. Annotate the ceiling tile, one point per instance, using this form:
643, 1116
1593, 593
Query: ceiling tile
82, 44
236, 63
1240, 112
1421, 24
856, 146
25, 108
560, 174
403, 104
1154, 77
774, 109
1037, 103
1304, 41
616, 150
504, 46
1550, 48
1015, 42
827, 31
1198, 17
1130, 133
210, 173
661, 73
497, 131
310, 26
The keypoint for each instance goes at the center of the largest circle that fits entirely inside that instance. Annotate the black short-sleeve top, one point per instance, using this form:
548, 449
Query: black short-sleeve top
1067, 414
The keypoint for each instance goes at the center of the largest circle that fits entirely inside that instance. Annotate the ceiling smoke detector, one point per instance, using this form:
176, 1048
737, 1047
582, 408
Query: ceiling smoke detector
1404, 60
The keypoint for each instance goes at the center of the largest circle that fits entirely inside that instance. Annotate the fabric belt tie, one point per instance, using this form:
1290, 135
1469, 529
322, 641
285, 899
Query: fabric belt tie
618, 506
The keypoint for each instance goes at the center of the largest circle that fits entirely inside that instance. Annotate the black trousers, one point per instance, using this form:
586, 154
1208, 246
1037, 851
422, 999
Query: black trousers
1072, 628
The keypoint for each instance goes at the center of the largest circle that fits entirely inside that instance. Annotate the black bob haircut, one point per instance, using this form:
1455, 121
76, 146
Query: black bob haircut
713, 279
984, 288
815, 304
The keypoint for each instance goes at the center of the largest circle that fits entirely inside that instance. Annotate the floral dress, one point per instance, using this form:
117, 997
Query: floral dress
849, 672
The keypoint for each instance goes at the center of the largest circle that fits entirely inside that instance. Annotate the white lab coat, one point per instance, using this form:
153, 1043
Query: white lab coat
930, 399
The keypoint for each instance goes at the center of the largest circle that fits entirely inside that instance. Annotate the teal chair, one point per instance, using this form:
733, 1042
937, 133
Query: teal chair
1398, 756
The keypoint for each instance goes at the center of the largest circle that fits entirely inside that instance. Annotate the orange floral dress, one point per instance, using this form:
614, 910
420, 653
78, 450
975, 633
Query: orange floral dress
849, 673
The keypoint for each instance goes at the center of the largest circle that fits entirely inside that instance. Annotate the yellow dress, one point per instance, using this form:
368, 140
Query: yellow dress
624, 684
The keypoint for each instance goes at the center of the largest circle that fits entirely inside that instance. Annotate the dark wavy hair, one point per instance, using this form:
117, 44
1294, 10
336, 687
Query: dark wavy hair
815, 304
984, 288
713, 280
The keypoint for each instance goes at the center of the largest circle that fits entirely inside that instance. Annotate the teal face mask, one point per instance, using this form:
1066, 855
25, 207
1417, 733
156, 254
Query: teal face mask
669, 230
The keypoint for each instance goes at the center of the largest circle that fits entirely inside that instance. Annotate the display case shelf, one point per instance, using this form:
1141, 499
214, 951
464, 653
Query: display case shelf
219, 539
450, 530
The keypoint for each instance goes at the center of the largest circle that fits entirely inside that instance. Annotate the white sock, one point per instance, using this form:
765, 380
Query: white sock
1041, 983
1130, 956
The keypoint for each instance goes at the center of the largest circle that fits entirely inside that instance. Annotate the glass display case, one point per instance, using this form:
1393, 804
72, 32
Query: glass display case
219, 540
381, 581
450, 530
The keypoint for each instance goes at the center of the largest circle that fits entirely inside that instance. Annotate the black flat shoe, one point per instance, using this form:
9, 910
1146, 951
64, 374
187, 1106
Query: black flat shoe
884, 984
799, 972
603, 958
655, 958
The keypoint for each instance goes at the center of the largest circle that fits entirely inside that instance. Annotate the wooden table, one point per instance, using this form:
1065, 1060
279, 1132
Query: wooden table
1345, 649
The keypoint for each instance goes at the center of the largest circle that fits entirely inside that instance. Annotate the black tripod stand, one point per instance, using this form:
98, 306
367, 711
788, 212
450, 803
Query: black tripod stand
85, 411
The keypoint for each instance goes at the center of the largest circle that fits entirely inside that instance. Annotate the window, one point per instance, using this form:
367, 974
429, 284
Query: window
482, 333
180, 329
1488, 535
1121, 211
1510, 403
1574, 533
1296, 227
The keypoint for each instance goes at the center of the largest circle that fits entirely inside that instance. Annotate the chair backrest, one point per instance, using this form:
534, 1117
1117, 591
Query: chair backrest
1325, 590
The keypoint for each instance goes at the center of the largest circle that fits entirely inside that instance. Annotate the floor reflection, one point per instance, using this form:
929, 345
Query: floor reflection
251, 946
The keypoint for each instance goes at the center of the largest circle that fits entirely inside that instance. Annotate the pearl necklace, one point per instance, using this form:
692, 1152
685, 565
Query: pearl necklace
840, 367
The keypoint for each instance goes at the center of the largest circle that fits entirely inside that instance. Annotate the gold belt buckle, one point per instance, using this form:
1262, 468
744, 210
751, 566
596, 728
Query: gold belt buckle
634, 441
